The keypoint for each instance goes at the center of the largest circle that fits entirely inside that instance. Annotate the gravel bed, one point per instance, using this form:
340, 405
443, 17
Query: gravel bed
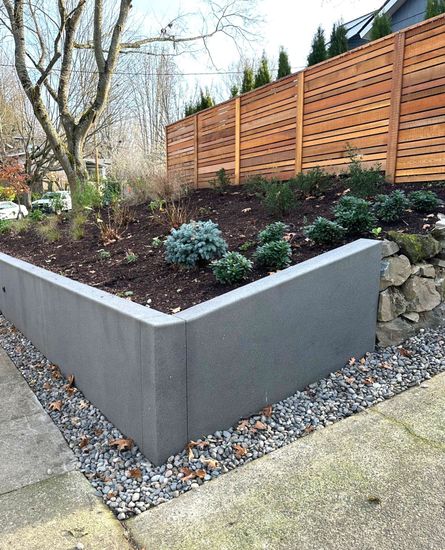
129, 483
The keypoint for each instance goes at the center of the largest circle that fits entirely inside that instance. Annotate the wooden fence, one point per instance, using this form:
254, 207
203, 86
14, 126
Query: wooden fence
386, 99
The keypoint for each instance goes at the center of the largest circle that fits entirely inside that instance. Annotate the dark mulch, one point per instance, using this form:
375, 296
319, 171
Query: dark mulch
164, 287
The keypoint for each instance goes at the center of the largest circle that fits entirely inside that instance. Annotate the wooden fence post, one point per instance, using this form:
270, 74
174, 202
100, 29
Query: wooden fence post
394, 108
195, 150
299, 122
237, 139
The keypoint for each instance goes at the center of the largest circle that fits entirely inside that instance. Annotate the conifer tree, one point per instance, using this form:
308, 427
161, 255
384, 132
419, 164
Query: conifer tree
318, 49
204, 102
434, 7
248, 80
381, 26
234, 91
284, 67
339, 40
262, 75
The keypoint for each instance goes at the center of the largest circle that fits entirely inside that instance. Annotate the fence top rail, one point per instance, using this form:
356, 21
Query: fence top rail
322, 63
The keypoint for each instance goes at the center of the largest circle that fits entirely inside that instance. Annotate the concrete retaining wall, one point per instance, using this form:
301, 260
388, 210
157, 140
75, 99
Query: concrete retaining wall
165, 379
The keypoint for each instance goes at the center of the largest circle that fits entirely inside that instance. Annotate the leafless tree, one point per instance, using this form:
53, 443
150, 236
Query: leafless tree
51, 36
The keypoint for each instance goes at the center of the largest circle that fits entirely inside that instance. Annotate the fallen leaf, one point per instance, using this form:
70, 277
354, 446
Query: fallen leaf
70, 391
310, 428
201, 474
352, 361
47, 386
70, 381
55, 405
56, 374
386, 366
122, 444
405, 352
369, 381
363, 360
83, 404
260, 425
349, 379
188, 474
98, 432
267, 411
211, 463
84, 440
135, 473
240, 451
243, 425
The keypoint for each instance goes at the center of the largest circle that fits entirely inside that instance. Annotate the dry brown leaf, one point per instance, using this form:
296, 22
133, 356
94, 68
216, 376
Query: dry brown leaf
243, 424
309, 428
56, 374
240, 451
352, 361
56, 405
260, 425
369, 381
201, 474
349, 379
135, 473
267, 411
386, 366
84, 440
70, 390
122, 443
98, 432
47, 386
211, 463
363, 360
188, 474
405, 352
83, 404
70, 381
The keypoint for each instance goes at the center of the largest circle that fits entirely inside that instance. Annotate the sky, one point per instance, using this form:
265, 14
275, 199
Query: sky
288, 23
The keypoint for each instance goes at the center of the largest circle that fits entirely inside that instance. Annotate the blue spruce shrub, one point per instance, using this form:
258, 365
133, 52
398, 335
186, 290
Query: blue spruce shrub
193, 243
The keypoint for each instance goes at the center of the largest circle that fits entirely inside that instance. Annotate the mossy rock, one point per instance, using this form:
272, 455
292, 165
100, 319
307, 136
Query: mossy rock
416, 247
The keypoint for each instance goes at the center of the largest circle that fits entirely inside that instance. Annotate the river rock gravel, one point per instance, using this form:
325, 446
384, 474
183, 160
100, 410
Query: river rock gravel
130, 484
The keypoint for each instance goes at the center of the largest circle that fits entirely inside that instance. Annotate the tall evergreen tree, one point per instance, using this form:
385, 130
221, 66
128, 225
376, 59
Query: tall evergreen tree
434, 7
262, 75
339, 40
234, 91
284, 67
204, 102
248, 80
318, 49
381, 26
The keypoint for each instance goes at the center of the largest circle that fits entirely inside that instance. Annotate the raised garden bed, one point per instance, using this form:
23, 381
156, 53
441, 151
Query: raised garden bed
150, 280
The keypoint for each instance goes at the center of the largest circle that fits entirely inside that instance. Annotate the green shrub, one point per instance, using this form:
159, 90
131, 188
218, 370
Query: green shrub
315, 182
194, 243
354, 214
279, 198
256, 184
49, 230
131, 257
5, 226
104, 254
390, 208
222, 181
87, 196
231, 268
36, 215
157, 242
424, 201
246, 246
273, 232
274, 255
363, 182
111, 192
324, 231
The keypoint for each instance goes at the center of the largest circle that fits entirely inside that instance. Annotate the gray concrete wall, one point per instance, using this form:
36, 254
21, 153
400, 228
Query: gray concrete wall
264, 341
128, 360
164, 379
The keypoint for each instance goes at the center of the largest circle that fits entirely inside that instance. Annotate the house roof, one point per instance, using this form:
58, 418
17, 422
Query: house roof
362, 25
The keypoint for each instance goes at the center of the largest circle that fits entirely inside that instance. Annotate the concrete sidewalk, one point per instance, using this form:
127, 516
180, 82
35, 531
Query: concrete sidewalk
375, 481
44, 502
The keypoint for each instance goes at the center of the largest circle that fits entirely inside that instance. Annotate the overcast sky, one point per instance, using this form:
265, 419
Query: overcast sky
288, 23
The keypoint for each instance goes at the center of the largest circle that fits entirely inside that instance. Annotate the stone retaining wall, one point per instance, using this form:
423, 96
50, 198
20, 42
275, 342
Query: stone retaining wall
412, 285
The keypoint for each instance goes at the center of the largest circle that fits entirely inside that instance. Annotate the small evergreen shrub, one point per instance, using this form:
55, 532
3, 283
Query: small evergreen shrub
231, 268
131, 257
5, 226
390, 208
363, 182
222, 181
194, 243
256, 184
424, 201
315, 182
324, 231
274, 255
279, 198
354, 214
104, 254
273, 232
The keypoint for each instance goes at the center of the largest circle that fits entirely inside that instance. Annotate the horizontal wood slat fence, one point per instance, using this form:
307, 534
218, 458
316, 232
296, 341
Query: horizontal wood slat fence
387, 99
